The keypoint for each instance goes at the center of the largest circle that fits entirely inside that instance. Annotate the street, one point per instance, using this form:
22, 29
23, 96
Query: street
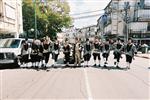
78, 83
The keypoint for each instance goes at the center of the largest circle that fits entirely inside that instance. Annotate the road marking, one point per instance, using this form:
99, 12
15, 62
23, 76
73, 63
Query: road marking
87, 85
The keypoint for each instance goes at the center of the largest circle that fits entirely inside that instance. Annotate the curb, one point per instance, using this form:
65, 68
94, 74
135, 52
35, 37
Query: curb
143, 57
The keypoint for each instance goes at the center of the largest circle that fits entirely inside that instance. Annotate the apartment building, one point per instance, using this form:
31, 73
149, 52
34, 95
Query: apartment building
126, 18
11, 24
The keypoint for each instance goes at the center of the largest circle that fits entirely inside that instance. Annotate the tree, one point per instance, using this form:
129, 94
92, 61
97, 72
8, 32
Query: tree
52, 16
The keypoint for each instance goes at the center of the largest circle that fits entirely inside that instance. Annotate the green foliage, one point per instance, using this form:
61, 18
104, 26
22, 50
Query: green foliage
49, 21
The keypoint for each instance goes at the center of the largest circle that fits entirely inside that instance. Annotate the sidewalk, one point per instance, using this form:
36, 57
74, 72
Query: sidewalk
145, 55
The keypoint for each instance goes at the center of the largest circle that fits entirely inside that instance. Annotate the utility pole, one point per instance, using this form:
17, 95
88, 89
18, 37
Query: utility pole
126, 8
35, 19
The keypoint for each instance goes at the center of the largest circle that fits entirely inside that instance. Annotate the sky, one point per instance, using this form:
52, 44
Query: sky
80, 6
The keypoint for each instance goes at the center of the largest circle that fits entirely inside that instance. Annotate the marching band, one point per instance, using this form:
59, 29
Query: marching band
41, 51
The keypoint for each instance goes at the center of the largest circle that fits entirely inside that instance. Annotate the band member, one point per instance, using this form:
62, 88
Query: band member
66, 51
130, 51
25, 52
106, 51
77, 52
87, 52
97, 50
46, 52
117, 52
41, 49
55, 51
34, 54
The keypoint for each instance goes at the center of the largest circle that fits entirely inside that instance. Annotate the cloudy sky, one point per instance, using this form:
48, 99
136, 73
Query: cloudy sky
81, 6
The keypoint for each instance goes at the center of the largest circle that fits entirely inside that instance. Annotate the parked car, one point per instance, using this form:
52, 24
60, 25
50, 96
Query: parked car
10, 49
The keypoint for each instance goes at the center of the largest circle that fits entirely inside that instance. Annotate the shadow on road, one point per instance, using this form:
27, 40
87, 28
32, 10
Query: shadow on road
109, 68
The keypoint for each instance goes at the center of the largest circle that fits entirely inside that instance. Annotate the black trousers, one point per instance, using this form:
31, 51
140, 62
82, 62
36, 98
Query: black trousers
46, 57
96, 55
105, 55
129, 59
67, 57
117, 56
55, 56
87, 57
25, 58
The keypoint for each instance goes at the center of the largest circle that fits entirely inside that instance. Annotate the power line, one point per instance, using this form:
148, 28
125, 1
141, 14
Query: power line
83, 17
86, 12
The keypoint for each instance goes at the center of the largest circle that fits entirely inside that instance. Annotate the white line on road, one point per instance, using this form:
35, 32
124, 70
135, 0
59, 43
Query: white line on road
87, 85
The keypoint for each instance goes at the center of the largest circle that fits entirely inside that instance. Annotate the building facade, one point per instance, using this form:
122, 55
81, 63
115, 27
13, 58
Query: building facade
87, 32
11, 24
126, 18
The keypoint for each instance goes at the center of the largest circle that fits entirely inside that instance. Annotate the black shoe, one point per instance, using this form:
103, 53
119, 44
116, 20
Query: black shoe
117, 67
99, 65
94, 65
106, 63
105, 66
115, 63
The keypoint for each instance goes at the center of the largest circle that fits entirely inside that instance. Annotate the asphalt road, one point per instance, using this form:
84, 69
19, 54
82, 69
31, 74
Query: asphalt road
78, 83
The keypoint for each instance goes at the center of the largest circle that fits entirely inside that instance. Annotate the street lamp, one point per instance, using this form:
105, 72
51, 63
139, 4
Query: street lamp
126, 8
35, 20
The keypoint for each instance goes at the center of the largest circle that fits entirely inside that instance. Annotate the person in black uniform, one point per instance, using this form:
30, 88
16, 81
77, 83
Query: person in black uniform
118, 46
66, 51
46, 50
106, 51
87, 52
41, 49
34, 54
130, 51
97, 50
24, 52
55, 51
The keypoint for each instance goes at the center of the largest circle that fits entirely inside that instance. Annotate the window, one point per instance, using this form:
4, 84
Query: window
148, 27
10, 11
9, 43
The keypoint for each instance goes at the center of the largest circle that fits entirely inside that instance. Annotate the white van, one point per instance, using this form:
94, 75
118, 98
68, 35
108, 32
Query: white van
10, 49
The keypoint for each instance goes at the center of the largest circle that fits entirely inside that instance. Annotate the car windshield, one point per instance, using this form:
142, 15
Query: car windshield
9, 43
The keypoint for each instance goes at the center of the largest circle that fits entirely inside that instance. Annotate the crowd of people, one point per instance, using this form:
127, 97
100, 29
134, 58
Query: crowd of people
39, 51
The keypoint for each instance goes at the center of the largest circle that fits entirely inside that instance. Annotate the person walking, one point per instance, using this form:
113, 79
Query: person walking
66, 51
34, 54
106, 51
24, 53
77, 52
130, 50
55, 51
118, 46
87, 52
46, 52
97, 49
